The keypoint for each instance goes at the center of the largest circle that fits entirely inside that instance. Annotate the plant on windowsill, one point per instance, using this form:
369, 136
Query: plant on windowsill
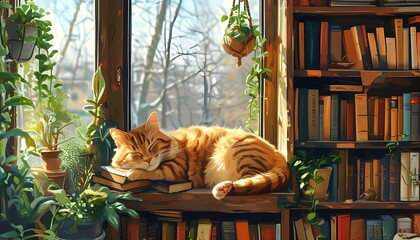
241, 37
312, 172
50, 118
96, 134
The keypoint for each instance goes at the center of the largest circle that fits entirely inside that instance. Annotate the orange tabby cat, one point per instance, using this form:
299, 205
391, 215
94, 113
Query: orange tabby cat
227, 160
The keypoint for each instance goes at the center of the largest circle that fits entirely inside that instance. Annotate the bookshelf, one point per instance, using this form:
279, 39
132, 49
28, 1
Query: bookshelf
378, 82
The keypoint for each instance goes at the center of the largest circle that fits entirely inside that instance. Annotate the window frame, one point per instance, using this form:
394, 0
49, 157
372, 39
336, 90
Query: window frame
113, 46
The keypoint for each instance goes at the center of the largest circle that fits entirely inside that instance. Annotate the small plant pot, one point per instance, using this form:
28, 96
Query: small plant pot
51, 159
21, 40
238, 48
321, 191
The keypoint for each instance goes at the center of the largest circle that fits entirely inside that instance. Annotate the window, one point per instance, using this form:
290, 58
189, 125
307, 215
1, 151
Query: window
179, 68
73, 27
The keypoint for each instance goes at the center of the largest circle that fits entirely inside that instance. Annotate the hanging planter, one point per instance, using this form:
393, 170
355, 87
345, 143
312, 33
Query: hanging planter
239, 38
21, 40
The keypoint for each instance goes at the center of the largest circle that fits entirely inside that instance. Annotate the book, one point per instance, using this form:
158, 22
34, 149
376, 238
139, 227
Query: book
350, 121
395, 30
118, 175
302, 109
391, 54
352, 51
415, 116
168, 230
394, 176
377, 177
301, 45
400, 118
326, 100
414, 177
154, 230
267, 231
382, 56
343, 119
336, 32
215, 230
228, 230
361, 116
343, 226
133, 185
413, 48
388, 227
406, 119
171, 187
406, 48
357, 227
253, 231
312, 43
192, 229
133, 230
299, 229
394, 118
373, 226
416, 222
343, 88
405, 178
204, 229
242, 229
324, 45
335, 113
333, 229
181, 230
373, 51
313, 114
387, 119
385, 180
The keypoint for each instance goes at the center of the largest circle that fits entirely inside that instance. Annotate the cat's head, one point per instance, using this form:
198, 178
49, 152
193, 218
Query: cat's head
143, 147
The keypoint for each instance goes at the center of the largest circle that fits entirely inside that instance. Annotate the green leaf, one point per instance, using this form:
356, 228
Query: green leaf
17, 101
112, 217
224, 18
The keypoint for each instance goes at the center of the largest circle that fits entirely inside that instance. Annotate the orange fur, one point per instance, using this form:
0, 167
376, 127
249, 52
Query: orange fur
216, 157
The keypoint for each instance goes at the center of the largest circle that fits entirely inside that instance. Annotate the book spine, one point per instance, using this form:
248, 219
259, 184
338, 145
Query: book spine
312, 43
405, 178
334, 117
385, 165
394, 118
415, 116
394, 176
302, 113
406, 117
313, 114
361, 115
414, 176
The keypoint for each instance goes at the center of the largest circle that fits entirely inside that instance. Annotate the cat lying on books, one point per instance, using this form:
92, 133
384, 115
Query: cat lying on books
231, 161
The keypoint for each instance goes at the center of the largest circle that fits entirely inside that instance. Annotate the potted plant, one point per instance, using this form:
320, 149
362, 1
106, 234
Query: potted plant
50, 117
82, 213
241, 37
312, 172
22, 30
96, 134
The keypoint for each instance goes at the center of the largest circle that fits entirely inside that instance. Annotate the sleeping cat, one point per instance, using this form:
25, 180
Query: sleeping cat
227, 160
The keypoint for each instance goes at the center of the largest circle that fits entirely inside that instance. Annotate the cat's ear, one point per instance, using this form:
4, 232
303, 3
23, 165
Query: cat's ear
119, 136
152, 123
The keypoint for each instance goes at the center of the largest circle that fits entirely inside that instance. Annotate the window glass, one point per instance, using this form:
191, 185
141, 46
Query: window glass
73, 28
179, 68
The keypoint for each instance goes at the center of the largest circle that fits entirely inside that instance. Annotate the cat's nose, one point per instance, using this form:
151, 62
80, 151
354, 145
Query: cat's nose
148, 160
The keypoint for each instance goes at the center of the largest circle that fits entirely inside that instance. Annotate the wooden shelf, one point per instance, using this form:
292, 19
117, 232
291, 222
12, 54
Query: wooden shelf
199, 200
355, 144
370, 205
348, 73
356, 10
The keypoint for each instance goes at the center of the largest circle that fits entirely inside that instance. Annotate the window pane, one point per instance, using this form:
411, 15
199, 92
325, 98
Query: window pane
73, 27
179, 68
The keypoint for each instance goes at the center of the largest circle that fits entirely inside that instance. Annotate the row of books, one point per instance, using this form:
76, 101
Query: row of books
362, 118
394, 46
116, 179
393, 177
160, 228
354, 226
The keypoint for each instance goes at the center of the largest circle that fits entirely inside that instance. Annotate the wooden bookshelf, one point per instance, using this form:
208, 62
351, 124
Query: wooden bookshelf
382, 83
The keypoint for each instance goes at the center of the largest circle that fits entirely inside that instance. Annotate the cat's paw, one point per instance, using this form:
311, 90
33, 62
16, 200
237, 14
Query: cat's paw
222, 189
134, 174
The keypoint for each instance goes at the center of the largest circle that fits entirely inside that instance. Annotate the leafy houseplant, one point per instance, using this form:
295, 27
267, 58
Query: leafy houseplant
50, 116
306, 166
81, 212
241, 37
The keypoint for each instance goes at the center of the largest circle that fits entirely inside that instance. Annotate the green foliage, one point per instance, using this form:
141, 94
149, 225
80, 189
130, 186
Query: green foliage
240, 27
22, 202
303, 165
51, 117
92, 203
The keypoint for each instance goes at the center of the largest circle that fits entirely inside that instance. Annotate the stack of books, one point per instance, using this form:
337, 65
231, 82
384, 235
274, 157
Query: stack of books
397, 3
353, 3
116, 179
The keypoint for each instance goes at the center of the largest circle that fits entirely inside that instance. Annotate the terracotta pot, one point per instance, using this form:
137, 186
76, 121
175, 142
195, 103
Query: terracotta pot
321, 191
238, 48
51, 159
